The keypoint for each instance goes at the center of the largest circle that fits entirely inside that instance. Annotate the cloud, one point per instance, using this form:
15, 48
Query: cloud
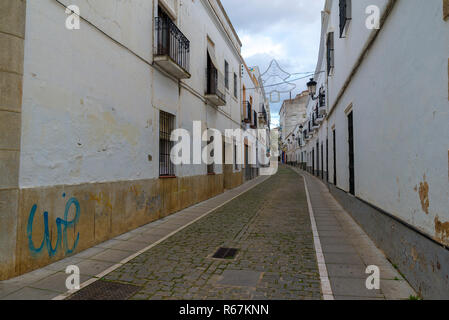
285, 30
259, 44
275, 120
262, 15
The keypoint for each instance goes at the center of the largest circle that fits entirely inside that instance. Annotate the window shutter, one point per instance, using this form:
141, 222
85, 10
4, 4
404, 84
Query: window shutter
330, 52
345, 15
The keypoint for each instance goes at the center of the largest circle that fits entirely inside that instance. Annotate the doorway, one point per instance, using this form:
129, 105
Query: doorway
351, 153
335, 156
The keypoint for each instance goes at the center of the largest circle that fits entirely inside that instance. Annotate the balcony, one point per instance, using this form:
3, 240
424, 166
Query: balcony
315, 124
247, 112
254, 121
318, 117
322, 111
215, 87
263, 116
172, 49
305, 134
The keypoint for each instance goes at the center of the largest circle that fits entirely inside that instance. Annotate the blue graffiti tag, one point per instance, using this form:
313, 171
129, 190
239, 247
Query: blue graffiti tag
61, 224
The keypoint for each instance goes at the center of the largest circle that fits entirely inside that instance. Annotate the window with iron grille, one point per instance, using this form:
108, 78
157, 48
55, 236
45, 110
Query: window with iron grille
345, 15
166, 126
235, 85
330, 52
226, 74
211, 167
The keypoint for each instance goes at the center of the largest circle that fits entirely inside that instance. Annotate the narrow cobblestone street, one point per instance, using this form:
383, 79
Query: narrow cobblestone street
219, 150
293, 240
270, 227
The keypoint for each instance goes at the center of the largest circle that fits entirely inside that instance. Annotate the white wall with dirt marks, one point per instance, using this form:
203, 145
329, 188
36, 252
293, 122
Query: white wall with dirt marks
91, 97
399, 99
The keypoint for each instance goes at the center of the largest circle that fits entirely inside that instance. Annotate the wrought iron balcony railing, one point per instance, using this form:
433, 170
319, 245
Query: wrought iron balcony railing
215, 83
319, 117
247, 112
254, 122
263, 115
170, 41
315, 125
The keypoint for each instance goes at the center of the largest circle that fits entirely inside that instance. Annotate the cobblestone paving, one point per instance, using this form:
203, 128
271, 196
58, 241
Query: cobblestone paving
271, 228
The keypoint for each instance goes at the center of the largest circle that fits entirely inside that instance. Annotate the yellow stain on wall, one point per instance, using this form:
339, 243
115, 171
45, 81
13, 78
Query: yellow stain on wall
101, 199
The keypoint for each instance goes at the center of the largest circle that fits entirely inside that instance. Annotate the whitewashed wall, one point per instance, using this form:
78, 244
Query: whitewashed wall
91, 98
352, 44
86, 100
401, 112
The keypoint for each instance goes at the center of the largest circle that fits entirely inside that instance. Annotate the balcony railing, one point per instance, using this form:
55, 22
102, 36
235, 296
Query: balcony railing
319, 117
263, 115
315, 125
215, 84
254, 121
171, 42
247, 112
322, 111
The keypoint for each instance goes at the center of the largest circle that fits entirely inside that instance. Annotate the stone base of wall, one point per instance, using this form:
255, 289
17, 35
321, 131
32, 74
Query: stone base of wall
232, 179
423, 261
56, 222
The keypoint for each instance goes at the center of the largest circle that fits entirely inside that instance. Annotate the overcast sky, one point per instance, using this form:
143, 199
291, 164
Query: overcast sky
285, 30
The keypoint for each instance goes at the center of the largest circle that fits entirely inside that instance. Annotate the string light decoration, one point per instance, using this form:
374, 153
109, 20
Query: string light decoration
275, 80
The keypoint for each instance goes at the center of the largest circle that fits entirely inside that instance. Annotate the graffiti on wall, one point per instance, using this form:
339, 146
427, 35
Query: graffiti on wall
62, 226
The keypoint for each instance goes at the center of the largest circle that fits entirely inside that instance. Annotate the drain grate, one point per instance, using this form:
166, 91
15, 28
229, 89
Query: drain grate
104, 290
225, 253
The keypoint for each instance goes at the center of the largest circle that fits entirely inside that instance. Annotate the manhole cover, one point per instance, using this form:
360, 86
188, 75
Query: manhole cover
104, 290
225, 253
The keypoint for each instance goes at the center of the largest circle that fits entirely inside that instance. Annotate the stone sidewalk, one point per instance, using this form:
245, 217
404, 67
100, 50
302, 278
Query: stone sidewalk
348, 251
49, 282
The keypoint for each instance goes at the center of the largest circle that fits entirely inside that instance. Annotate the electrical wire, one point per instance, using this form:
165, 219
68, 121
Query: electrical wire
292, 80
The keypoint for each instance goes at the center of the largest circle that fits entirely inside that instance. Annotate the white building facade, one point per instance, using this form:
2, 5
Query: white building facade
382, 138
89, 123
292, 116
256, 119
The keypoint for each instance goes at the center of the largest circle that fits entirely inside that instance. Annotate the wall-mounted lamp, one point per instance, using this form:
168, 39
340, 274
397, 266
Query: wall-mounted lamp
311, 85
